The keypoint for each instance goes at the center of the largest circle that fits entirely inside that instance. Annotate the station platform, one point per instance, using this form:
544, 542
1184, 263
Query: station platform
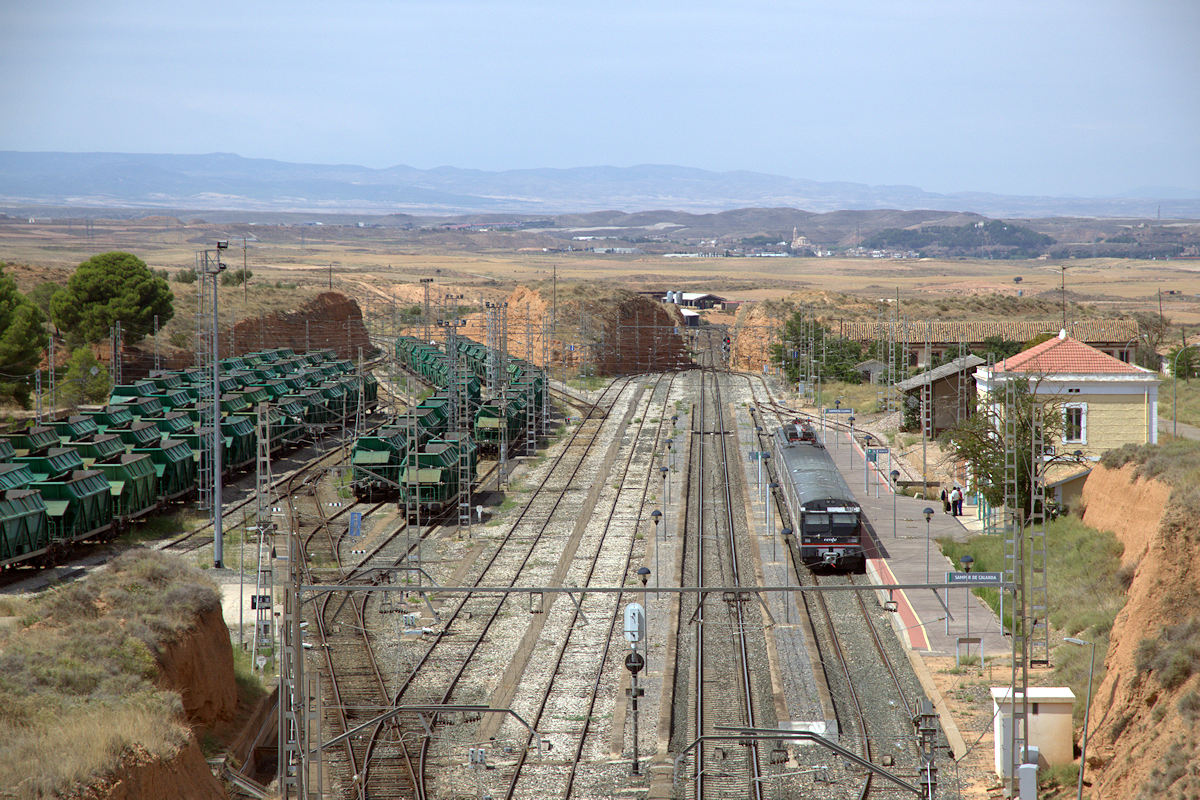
904, 550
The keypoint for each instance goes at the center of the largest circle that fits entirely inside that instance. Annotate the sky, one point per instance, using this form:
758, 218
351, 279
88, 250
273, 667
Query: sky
1057, 97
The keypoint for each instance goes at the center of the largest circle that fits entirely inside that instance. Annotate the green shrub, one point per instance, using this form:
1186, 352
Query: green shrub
1171, 657
1189, 706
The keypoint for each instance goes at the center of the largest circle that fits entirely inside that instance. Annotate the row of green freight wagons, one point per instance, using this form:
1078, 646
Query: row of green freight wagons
497, 419
89, 475
416, 458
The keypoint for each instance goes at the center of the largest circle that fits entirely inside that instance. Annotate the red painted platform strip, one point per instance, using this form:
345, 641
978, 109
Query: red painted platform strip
913, 628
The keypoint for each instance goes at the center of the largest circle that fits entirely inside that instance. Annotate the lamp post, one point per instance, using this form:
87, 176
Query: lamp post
655, 515
787, 580
967, 561
1087, 710
666, 487
837, 405
212, 269
928, 517
866, 464
895, 491
1125, 349
771, 520
1175, 390
851, 441
765, 456
643, 574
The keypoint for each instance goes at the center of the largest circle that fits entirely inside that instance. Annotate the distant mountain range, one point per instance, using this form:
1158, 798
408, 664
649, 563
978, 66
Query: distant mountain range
226, 181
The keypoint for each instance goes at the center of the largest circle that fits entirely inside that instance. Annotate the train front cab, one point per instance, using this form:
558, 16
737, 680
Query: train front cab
832, 537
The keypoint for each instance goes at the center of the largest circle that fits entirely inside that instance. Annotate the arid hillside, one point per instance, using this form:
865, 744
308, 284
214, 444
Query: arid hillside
1146, 713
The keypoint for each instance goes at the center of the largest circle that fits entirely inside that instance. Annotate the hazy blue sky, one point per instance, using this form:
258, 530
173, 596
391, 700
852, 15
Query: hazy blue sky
1028, 96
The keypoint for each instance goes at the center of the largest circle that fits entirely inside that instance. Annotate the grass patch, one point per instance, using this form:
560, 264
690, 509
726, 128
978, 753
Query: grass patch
862, 397
589, 383
1188, 396
1059, 778
77, 679
161, 526
1087, 589
251, 685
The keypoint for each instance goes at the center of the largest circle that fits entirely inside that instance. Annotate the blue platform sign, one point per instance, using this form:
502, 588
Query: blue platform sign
355, 523
873, 453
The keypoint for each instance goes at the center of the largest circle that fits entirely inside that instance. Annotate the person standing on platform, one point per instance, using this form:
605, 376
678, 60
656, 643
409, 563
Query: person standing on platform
956, 502
945, 501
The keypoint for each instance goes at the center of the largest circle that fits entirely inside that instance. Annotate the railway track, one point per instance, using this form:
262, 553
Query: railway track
466, 635
726, 661
563, 708
875, 699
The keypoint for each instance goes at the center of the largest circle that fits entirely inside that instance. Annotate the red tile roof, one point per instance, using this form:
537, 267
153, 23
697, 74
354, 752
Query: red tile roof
1065, 356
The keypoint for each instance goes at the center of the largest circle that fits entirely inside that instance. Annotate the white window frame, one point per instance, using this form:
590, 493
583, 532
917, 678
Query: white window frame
1082, 423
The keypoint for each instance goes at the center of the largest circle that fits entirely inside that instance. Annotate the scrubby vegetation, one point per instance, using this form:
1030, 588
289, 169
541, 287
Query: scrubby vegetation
1179, 403
77, 674
991, 239
1089, 586
1175, 462
1172, 656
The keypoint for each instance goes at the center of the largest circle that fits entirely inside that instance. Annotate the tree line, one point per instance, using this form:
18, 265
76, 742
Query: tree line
106, 289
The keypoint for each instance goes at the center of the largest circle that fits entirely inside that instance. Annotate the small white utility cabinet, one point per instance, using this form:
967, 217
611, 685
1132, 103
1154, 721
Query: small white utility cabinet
1051, 728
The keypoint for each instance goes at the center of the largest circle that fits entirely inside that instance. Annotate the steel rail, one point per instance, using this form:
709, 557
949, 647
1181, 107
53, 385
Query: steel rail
614, 616
425, 658
743, 650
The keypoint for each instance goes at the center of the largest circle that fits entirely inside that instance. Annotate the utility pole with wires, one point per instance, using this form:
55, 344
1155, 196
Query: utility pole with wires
245, 275
53, 382
115, 332
425, 317
1063, 293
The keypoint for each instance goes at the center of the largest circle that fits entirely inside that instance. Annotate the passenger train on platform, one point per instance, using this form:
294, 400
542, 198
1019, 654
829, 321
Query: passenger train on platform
827, 519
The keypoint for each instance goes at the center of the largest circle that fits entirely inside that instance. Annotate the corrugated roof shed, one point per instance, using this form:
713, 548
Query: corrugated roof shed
969, 361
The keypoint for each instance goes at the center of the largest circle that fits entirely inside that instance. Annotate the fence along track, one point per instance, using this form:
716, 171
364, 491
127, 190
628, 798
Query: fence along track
464, 631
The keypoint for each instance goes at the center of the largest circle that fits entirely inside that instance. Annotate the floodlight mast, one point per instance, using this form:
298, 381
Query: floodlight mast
211, 271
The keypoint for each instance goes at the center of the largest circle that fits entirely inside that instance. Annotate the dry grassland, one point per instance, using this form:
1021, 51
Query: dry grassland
381, 262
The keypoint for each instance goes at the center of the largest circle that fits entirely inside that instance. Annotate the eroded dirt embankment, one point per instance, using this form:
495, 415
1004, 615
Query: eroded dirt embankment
330, 320
199, 667
611, 330
1138, 723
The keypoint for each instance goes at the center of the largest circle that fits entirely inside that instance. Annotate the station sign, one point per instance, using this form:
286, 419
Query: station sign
846, 411
976, 578
873, 453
